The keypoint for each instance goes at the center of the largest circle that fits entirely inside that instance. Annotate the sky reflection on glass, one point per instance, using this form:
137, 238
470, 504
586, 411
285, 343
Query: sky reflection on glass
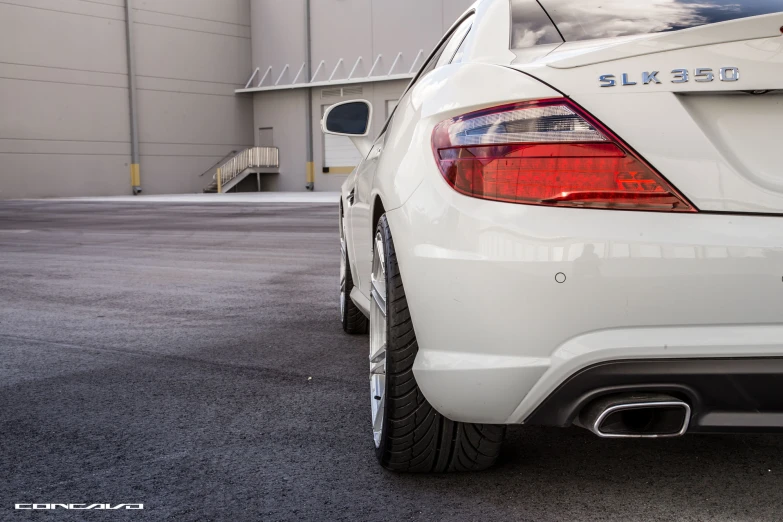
589, 19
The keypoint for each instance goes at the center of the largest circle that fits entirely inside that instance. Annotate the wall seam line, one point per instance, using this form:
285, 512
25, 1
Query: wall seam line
62, 68
192, 30
64, 12
190, 17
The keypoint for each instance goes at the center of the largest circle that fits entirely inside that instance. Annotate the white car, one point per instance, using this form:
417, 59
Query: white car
574, 216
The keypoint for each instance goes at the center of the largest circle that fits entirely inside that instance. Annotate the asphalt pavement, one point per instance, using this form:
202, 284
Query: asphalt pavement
190, 357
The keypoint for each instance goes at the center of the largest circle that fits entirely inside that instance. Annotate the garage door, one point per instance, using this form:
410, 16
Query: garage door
340, 153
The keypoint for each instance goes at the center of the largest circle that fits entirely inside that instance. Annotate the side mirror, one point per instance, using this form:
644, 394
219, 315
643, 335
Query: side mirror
351, 119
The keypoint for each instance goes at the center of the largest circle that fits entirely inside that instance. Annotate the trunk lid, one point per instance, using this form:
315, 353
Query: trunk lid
703, 105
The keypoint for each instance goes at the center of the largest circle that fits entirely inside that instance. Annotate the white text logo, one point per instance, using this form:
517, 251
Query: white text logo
78, 506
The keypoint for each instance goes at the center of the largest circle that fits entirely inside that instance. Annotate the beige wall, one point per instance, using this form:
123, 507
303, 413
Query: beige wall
64, 127
284, 111
346, 29
64, 123
278, 37
350, 29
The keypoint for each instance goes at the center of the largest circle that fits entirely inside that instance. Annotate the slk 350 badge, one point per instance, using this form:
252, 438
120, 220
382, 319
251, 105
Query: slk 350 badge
700, 74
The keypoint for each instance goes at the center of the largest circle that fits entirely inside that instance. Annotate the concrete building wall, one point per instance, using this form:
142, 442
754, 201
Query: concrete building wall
64, 123
350, 29
279, 38
347, 29
340, 29
63, 90
282, 115
64, 127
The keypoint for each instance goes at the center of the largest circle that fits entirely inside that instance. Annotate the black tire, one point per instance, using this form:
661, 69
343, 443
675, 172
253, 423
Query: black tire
354, 321
415, 437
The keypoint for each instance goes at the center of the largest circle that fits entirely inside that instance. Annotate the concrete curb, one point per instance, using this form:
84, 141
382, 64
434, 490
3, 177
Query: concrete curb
249, 197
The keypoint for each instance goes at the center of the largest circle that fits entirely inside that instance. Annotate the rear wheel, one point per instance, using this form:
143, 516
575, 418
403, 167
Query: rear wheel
354, 321
409, 434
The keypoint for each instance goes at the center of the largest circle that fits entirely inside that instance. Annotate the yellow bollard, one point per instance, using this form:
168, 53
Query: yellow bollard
219, 182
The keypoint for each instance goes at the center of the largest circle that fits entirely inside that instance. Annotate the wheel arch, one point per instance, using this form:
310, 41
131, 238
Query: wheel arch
377, 211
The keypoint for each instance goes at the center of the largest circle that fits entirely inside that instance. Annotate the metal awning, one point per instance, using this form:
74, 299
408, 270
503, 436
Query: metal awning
263, 86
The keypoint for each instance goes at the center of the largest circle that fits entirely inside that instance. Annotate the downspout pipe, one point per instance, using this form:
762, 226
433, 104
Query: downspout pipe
135, 172
309, 100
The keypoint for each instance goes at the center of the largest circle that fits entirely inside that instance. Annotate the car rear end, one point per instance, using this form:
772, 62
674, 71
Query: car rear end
618, 242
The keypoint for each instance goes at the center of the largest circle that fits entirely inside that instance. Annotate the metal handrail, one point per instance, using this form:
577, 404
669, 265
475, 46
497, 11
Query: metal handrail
255, 157
218, 163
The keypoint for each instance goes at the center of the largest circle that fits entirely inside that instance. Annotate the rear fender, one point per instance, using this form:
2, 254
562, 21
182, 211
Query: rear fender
444, 93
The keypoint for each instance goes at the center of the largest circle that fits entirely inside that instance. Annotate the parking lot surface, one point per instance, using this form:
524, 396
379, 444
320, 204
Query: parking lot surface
190, 357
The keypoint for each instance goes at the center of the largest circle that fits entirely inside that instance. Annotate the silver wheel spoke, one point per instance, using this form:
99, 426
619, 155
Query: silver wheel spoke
380, 298
379, 250
378, 341
378, 356
343, 274
378, 368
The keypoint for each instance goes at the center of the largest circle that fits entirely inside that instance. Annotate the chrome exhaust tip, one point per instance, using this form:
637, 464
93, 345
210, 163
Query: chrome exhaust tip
636, 415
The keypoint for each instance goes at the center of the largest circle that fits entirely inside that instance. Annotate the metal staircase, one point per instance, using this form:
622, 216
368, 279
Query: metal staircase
230, 173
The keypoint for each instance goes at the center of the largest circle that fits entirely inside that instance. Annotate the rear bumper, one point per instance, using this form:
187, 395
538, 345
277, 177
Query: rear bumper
499, 333
725, 395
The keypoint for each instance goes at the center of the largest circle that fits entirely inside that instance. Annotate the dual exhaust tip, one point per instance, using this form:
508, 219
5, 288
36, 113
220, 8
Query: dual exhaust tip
636, 415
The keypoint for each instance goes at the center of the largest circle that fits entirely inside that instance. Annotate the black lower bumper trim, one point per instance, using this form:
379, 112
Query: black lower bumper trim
725, 395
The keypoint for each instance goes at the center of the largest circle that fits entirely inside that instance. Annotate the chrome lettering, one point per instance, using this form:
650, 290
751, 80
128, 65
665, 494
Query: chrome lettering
704, 75
680, 76
607, 80
729, 74
648, 78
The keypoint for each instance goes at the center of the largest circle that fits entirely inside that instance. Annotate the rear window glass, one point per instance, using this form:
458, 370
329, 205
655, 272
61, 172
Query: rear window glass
590, 19
530, 25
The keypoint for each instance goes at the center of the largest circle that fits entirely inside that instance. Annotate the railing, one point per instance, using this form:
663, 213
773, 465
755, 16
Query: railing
396, 72
217, 164
256, 157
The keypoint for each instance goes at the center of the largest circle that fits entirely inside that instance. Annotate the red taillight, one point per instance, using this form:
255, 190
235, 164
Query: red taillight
548, 152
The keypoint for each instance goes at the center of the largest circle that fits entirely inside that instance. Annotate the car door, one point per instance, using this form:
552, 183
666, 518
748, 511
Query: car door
361, 233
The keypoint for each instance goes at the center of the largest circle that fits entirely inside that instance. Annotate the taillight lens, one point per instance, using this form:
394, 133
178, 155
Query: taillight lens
548, 152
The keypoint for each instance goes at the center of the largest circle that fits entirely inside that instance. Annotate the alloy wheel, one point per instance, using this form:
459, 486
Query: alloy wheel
378, 340
343, 269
